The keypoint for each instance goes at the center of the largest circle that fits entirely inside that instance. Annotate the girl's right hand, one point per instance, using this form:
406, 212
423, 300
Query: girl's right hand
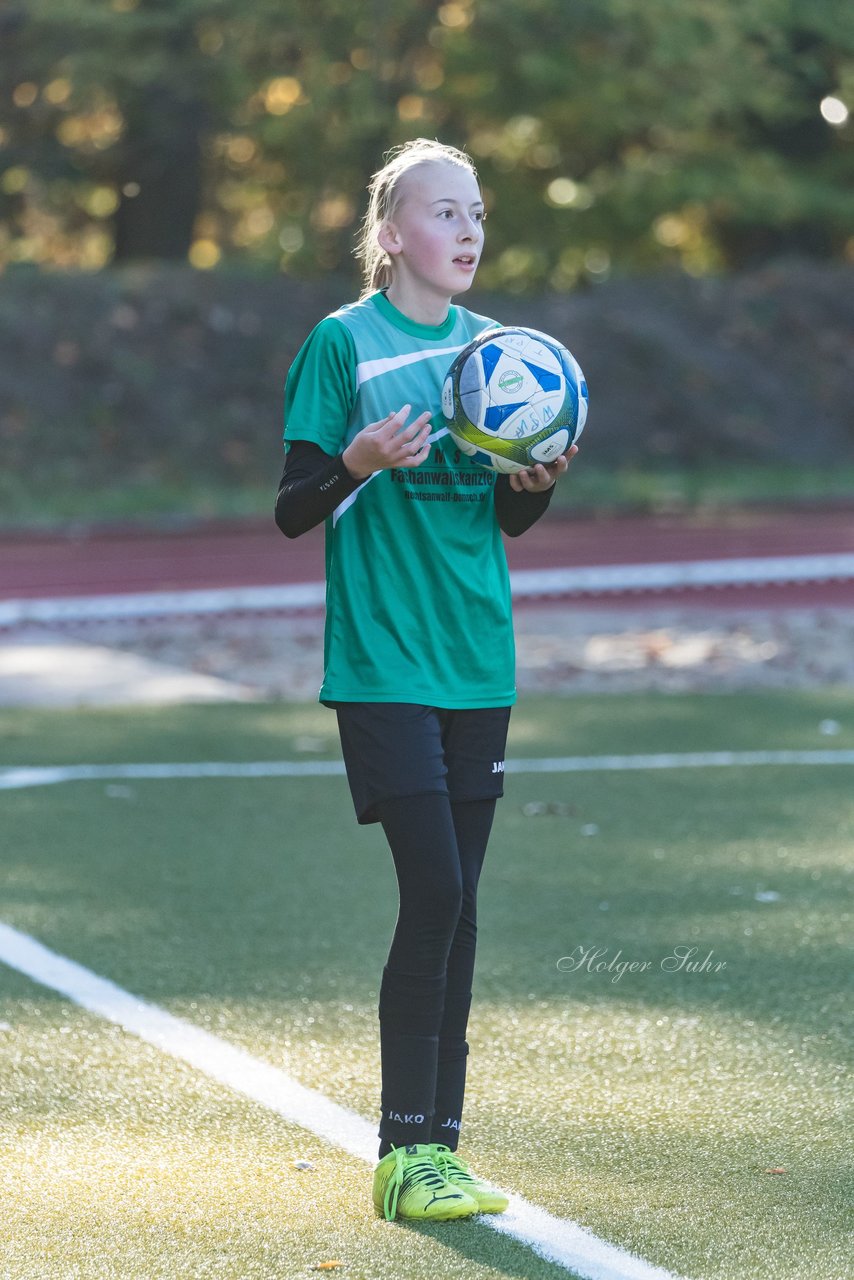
389, 443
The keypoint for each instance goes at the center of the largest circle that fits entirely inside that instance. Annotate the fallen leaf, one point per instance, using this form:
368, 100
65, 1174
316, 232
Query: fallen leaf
775, 1171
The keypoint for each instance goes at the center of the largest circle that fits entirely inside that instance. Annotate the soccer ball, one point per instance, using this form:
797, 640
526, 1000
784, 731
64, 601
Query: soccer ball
513, 398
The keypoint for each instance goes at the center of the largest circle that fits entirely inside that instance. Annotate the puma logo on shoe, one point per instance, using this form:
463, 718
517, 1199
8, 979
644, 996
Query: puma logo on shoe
456, 1195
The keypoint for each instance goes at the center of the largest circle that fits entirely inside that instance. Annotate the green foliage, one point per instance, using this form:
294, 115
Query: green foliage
611, 135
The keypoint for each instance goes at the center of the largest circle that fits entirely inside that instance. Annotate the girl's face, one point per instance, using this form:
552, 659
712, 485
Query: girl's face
434, 235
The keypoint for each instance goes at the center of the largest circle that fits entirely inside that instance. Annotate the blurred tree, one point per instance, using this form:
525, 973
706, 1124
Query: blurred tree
111, 104
157, 163
622, 134
659, 130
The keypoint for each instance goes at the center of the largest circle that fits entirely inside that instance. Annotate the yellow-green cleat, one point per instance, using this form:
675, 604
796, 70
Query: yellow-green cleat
407, 1184
489, 1199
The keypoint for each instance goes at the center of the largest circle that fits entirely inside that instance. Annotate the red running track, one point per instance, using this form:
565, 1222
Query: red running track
254, 553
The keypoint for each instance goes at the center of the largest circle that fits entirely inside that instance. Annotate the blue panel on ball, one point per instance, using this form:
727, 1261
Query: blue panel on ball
490, 355
497, 415
548, 381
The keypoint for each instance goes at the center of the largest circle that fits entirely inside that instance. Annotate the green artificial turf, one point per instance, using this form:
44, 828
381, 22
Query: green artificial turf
647, 1104
540, 726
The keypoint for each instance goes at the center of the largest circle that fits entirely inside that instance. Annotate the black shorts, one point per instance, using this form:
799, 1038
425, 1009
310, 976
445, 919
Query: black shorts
394, 749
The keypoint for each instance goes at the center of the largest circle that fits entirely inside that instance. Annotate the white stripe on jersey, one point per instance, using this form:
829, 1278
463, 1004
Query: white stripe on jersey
369, 369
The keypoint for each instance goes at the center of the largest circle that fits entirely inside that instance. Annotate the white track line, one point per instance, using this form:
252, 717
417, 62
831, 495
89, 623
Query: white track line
559, 1240
738, 572
16, 778
527, 584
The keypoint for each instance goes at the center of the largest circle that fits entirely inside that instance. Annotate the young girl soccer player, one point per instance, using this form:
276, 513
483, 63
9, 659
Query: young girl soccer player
418, 652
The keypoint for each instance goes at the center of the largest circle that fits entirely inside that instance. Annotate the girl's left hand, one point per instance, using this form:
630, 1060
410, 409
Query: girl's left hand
539, 478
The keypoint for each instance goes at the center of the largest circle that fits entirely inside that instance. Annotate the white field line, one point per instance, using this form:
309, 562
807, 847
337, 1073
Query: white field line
525, 584
16, 778
559, 1240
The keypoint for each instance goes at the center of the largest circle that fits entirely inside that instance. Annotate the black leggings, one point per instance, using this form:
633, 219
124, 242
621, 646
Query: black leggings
438, 850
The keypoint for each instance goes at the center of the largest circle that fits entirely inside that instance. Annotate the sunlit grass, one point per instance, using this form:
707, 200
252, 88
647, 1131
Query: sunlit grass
128, 1165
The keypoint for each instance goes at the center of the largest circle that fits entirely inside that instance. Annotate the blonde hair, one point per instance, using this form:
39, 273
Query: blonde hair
383, 194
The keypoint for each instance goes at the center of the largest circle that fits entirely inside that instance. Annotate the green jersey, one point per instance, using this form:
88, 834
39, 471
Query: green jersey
417, 587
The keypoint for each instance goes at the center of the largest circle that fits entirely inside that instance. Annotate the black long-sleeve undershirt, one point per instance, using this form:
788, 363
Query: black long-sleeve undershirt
313, 484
